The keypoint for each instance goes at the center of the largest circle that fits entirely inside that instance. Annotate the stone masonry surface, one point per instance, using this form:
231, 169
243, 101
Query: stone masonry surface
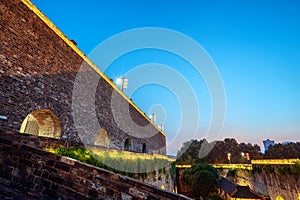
38, 174
37, 72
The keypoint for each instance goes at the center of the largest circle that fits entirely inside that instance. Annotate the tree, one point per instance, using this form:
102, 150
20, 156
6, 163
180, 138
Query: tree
282, 151
189, 152
202, 179
295, 168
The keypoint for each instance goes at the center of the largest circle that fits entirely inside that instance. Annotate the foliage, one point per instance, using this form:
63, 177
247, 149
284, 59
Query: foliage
79, 153
202, 179
281, 151
125, 163
295, 169
215, 197
188, 154
256, 169
283, 170
173, 170
269, 169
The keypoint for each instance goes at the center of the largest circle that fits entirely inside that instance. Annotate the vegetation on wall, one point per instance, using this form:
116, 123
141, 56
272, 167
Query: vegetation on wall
289, 169
293, 169
126, 163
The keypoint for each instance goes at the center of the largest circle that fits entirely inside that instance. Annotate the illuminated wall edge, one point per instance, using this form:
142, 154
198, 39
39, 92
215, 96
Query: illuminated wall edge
36, 11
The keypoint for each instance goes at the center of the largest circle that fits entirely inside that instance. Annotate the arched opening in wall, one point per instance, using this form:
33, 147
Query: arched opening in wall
144, 150
127, 145
42, 123
102, 138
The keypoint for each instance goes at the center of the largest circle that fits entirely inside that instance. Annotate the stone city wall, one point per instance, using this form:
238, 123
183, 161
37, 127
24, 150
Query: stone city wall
38, 174
38, 69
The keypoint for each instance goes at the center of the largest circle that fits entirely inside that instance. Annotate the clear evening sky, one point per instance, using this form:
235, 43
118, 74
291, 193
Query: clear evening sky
255, 45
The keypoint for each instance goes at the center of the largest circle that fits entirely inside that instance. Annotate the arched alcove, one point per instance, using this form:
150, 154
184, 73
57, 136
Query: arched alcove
42, 123
144, 150
127, 145
102, 138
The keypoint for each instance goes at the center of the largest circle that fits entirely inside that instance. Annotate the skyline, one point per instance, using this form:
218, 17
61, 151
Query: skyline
255, 47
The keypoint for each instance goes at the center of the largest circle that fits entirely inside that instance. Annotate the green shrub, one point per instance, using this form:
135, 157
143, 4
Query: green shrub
127, 163
268, 169
256, 169
295, 169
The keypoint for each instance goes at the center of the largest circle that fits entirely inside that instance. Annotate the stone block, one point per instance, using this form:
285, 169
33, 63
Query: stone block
44, 182
62, 166
55, 179
125, 196
137, 193
37, 172
93, 193
67, 160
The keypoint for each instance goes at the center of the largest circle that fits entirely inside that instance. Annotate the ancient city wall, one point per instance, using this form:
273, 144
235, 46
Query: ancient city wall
161, 177
269, 183
38, 68
40, 174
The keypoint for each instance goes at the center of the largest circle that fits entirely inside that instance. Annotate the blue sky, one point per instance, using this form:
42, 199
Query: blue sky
254, 44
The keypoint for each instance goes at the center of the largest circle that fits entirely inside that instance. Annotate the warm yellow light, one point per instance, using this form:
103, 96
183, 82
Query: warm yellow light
129, 155
183, 166
233, 166
274, 161
279, 198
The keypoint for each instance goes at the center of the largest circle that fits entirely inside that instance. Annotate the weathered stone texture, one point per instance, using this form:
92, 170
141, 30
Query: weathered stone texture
38, 174
158, 178
270, 184
38, 71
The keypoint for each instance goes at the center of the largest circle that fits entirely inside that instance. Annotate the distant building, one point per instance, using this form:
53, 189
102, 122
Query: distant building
287, 143
267, 143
